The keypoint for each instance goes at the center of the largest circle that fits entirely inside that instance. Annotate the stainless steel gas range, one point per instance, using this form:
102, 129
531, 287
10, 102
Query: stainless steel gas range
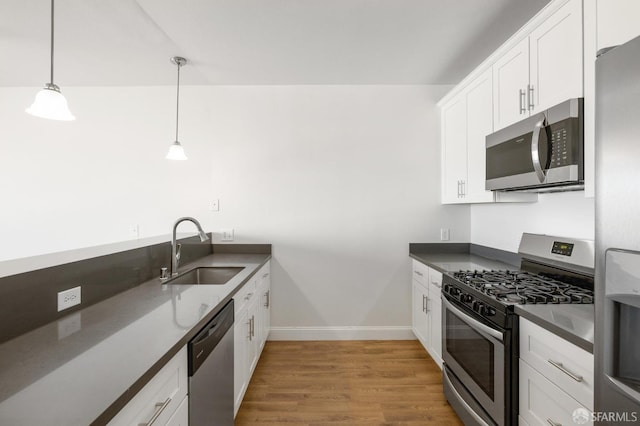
480, 329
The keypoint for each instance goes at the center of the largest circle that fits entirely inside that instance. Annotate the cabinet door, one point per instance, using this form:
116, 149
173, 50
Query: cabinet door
479, 125
510, 79
454, 149
543, 403
435, 310
181, 416
420, 319
617, 22
240, 370
556, 58
265, 320
253, 351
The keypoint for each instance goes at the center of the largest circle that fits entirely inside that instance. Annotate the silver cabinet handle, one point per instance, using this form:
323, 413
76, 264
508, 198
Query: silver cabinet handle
535, 149
530, 104
249, 329
552, 423
463, 185
424, 307
160, 406
248, 296
418, 273
562, 368
268, 297
253, 326
521, 100
265, 275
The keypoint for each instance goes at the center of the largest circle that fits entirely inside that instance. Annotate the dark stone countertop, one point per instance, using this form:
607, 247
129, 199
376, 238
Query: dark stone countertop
85, 367
573, 323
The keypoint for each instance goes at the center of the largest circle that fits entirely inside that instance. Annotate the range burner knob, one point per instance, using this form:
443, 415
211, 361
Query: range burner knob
484, 310
454, 291
476, 306
465, 298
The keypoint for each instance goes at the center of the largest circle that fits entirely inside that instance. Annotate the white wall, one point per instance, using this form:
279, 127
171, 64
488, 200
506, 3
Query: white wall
67, 185
567, 214
338, 178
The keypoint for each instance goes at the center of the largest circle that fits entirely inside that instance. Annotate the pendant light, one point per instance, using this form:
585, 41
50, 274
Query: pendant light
176, 151
49, 102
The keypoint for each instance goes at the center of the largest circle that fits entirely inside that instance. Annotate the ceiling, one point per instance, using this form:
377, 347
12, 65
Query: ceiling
272, 42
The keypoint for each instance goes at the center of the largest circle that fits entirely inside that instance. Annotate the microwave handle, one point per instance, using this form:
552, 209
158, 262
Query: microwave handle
535, 149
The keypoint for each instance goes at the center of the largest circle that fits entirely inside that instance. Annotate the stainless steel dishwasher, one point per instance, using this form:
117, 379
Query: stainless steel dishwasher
211, 372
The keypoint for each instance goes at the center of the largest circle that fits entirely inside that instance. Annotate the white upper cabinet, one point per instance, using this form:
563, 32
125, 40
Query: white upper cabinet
510, 80
555, 52
467, 119
454, 149
542, 70
618, 21
479, 125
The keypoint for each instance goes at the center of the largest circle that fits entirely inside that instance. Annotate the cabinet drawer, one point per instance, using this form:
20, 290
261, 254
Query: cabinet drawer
543, 403
435, 278
160, 398
563, 363
245, 294
420, 273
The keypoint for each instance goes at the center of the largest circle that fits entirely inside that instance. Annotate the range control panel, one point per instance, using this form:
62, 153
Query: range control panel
564, 249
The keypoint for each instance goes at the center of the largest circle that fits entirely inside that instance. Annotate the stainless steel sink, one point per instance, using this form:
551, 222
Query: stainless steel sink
206, 275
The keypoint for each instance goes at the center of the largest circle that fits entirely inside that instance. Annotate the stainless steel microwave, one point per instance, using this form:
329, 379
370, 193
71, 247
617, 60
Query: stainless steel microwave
543, 153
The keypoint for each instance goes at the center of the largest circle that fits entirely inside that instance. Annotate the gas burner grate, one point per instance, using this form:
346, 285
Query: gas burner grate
521, 287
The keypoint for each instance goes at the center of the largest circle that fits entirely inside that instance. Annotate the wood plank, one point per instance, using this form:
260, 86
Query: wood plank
335, 383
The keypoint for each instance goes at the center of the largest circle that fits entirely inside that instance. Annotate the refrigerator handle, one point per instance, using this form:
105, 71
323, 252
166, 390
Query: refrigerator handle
628, 391
535, 149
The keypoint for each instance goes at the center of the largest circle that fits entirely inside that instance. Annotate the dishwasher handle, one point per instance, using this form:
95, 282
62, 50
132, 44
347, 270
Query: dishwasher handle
208, 338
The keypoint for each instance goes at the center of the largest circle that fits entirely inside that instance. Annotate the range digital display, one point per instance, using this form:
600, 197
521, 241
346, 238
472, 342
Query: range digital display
565, 249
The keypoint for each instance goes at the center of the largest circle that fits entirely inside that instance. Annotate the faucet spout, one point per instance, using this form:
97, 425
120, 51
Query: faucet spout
175, 251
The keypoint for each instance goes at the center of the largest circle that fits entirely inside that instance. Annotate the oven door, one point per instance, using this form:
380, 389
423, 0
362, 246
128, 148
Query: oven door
475, 354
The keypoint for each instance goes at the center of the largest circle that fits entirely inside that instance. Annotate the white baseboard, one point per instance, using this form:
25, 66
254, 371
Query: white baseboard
341, 333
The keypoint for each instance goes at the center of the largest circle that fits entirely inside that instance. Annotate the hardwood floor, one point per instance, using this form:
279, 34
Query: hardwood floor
346, 383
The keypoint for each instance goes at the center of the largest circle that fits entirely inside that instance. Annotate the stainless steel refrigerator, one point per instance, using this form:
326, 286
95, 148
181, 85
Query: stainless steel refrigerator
617, 327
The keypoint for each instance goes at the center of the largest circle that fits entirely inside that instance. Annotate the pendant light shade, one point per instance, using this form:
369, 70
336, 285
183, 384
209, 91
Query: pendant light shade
176, 151
49, 102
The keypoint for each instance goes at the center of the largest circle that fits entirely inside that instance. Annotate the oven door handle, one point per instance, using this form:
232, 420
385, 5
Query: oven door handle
473, 322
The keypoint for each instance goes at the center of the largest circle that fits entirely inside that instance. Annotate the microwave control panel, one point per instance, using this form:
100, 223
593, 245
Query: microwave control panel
560, 150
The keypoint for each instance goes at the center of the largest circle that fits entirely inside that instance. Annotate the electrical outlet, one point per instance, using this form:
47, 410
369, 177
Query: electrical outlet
227, 234
215, 205
69, 298
444, 234
69, 325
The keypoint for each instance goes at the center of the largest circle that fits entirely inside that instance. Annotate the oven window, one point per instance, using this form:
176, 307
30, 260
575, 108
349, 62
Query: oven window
472, 351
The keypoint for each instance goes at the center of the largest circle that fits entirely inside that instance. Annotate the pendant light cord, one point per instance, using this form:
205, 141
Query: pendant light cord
177, 100
52, 41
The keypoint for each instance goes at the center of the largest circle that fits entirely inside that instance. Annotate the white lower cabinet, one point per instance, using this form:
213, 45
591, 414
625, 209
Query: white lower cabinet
556, 378
181, 416
543, 403
250, 329
427, 309
161, 399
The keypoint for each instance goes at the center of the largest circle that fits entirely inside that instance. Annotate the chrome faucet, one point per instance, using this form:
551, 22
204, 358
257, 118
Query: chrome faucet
175, 248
